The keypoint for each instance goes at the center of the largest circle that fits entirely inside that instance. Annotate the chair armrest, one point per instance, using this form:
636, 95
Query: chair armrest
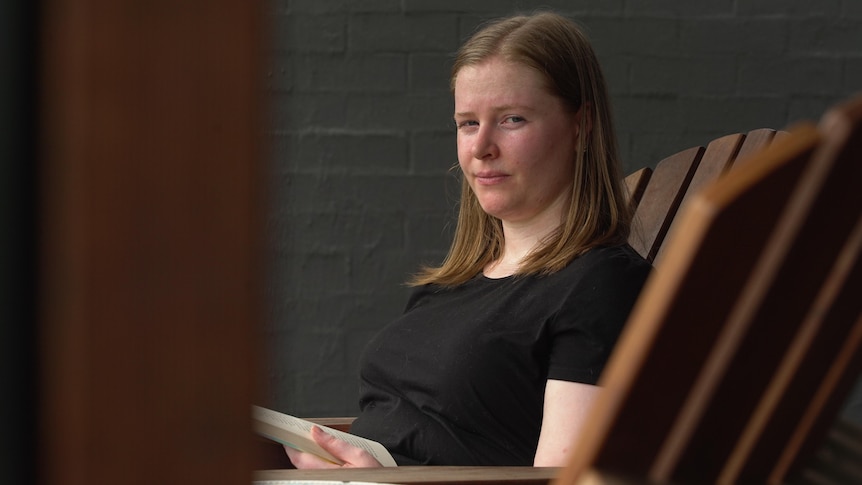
420, 475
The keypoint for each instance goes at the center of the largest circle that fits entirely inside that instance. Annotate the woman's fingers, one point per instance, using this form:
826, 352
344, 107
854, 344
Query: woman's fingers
344, 451
351, 456
303, 460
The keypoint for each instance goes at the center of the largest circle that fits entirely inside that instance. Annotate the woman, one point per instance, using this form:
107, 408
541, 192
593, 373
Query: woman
496, 358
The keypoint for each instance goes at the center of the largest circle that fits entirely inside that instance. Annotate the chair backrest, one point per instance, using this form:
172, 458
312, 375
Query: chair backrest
824, 357
744, 341
666, 189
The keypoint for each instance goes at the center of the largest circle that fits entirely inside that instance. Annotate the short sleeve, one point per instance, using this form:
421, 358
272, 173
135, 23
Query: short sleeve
590, 320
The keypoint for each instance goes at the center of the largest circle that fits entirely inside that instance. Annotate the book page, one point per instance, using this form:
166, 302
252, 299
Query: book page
296, 433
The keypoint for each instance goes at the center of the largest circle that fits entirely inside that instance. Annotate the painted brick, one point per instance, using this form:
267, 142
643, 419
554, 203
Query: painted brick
708, 75
402, 33
467, 25
851, 9
649, 114
279, 73
418, 192
829, 36
307, 111
420, 112
316, 7
320, 386
676, 8
373, 5
317, 271
338, 151
809, 108
611, 36
789, 75
309, 33
652, 148
733, 36
354, 152
351, 73
360, 338
497, 8
359, 192
431, 111
624, 140
430, 71
783, 8
459, 6
852, 75
377, 111
380, 268
433, 152
343, 232
432, 230
281, 150
616, 71
733, 114
575, 8
320, 7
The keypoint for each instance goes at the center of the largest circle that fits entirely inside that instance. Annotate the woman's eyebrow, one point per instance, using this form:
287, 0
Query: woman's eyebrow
506, 107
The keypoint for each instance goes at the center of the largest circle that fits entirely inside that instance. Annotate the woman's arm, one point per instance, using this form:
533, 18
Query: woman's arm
567, 405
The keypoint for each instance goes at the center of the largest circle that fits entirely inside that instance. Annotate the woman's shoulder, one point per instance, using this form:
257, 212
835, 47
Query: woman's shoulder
616, 268
619, 257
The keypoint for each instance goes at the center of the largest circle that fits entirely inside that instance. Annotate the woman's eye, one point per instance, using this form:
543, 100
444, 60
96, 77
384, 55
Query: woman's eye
513, 119
466, 124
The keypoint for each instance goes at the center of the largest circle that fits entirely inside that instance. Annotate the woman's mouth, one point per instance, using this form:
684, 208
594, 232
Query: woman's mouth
490, 178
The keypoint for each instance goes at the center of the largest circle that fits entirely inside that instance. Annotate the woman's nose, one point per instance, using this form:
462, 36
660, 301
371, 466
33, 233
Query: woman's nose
485, 145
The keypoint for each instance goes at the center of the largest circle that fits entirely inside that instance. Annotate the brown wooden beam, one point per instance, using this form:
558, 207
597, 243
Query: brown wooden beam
150, 233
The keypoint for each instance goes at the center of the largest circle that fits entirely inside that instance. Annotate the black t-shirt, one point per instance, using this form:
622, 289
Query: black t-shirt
459, 378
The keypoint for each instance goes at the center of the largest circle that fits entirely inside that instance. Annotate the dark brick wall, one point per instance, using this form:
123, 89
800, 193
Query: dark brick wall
362, 140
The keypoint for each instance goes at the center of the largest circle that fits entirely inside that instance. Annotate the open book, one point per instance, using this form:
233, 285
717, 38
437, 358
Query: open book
296, 433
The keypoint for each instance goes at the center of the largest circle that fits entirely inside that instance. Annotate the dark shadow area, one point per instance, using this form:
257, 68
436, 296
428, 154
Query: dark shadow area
18, 109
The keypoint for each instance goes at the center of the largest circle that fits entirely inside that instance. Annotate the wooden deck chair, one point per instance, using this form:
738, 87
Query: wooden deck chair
756, 373
698, 331
657, 364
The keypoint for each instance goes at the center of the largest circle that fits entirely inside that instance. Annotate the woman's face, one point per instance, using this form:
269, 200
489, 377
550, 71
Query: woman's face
516, 141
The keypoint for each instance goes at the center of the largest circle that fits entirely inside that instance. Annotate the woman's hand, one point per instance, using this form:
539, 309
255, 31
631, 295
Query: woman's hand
352, 456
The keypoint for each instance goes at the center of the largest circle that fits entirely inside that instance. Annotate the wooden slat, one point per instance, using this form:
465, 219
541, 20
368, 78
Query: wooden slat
149, 223
682, 310
717, 159
755, 141
636, 184
661, 199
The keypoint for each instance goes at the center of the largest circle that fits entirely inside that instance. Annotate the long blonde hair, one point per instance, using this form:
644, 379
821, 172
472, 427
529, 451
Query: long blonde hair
598, 213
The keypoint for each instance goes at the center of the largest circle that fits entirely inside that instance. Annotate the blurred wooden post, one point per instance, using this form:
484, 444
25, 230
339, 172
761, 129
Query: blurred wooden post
149, 225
